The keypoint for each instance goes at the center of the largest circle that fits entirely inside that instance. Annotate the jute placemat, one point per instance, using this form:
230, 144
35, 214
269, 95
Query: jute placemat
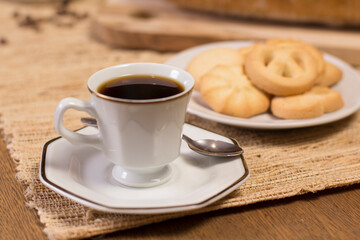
39, 68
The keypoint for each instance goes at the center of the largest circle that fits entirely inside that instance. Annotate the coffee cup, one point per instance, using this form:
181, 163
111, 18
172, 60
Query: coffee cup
140, 135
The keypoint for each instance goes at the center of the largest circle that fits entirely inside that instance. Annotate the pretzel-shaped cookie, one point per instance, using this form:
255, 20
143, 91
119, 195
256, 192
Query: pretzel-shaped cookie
281, 70
314, 52
226, 89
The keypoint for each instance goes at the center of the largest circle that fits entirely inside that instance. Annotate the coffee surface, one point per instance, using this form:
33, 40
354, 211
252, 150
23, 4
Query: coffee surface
140, 87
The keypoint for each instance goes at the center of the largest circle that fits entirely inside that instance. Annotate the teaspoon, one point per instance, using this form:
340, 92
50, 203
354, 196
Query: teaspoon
208, 147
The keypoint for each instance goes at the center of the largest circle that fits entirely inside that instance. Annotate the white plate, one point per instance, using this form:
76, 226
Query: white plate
349, 87
83, 174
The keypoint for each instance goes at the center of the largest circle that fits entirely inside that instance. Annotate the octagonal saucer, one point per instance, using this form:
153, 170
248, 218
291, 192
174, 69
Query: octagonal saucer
83, 174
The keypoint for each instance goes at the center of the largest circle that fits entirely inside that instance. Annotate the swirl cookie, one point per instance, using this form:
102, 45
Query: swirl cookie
206, 60
281, 70
227, 90
314, 103
330, 76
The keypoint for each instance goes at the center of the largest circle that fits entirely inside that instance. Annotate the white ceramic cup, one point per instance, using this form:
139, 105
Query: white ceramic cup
141, 137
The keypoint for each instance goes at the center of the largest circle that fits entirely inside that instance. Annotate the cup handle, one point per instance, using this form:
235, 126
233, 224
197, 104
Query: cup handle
74, 137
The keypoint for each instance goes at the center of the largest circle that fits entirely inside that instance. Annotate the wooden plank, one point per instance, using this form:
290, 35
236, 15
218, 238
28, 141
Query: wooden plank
161, 25
17, 221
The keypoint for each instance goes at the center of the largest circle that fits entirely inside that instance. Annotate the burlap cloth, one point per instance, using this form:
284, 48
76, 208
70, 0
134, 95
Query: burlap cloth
40, 68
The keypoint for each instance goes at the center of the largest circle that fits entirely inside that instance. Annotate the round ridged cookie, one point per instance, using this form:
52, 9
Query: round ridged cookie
226, 89
314, 103
330, 76
208, 59
281, 70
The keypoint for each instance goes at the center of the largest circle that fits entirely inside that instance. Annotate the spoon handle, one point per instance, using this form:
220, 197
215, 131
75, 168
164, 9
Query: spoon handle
186, 138
89, 121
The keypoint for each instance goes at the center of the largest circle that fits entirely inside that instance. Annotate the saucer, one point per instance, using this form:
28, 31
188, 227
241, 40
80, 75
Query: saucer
83, 174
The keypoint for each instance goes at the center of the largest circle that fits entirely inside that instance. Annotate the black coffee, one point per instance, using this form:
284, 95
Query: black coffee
140, 87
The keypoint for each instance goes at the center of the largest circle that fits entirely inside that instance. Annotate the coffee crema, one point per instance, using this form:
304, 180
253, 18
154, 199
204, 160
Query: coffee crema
140, 87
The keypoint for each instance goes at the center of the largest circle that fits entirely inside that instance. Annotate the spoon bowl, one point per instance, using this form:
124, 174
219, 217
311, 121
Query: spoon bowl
208, 147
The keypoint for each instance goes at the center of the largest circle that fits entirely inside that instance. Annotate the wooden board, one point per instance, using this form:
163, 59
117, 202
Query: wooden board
161, 25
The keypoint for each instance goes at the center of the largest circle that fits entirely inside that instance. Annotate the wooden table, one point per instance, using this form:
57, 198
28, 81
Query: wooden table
329, 214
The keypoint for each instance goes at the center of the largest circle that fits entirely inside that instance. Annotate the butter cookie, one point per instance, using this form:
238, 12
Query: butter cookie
314, 103
226, 89
314, 52
281, 70
330, 76
208, 59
